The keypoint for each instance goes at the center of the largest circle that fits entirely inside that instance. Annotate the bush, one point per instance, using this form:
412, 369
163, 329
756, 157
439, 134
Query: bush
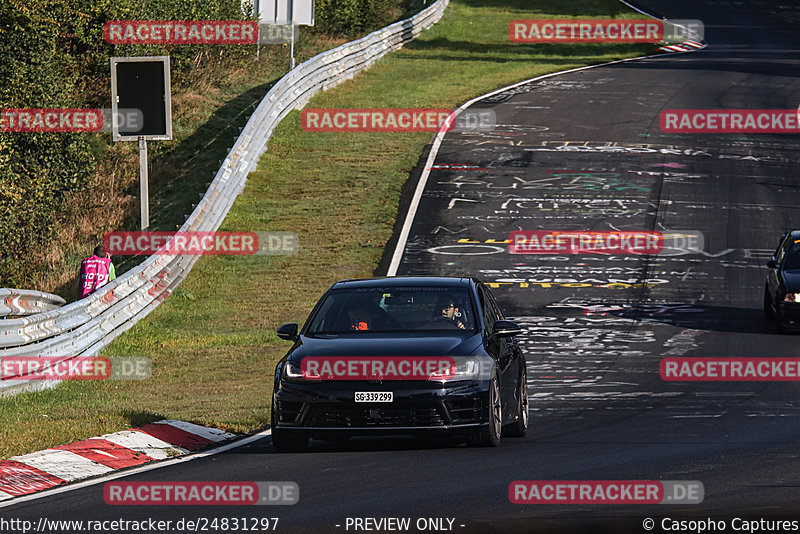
52, 54
36, 169
350, 18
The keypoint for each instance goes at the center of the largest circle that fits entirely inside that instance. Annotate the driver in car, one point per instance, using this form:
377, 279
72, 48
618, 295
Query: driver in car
447, 311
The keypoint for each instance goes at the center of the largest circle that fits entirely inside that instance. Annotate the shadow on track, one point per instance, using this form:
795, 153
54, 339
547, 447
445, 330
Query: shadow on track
696, 316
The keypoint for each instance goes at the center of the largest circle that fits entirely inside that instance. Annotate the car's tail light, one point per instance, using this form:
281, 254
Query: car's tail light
792, 297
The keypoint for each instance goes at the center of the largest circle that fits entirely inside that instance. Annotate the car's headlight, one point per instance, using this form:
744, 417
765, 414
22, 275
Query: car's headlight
465, 369
292, 372
792, 297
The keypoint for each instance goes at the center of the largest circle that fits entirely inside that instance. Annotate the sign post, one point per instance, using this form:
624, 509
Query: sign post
143, 179
291, 21
143, 84
283, 12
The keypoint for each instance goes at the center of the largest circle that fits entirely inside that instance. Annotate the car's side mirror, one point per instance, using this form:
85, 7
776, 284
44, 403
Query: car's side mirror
771, 264
288, 331
506, 329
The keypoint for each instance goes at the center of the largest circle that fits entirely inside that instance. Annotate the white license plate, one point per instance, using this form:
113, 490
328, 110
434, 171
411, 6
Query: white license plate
374, 396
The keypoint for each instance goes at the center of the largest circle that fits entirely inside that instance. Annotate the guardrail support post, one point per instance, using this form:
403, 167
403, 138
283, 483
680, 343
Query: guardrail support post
143, 193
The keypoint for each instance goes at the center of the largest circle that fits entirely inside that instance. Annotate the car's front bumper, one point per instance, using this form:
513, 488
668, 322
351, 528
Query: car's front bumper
789, 313
330, 408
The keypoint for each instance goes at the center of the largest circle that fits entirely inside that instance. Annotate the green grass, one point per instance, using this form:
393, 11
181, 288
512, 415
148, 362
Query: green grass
212, 342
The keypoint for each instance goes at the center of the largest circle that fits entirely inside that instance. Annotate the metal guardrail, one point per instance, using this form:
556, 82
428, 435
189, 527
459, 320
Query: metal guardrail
27, 302
86, 326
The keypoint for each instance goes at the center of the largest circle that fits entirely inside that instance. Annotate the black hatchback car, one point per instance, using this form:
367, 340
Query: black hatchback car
401, 355
782, 289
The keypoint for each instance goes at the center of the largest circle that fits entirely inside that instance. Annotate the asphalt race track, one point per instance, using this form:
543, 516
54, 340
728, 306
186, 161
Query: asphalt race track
584, 151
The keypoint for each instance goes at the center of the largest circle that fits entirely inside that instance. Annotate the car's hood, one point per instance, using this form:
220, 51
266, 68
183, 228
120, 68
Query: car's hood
792, 281
459, 344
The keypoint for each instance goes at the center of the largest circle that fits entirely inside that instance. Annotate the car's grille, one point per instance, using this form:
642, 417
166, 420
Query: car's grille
464, 410
288, 411
373, 416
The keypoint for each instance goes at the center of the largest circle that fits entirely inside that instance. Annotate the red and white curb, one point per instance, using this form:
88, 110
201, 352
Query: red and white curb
22, 475
686, 46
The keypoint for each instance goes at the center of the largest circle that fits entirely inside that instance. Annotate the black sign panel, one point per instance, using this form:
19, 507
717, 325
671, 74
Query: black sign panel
142, 84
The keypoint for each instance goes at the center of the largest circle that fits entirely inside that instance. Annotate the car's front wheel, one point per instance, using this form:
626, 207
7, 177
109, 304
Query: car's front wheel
287, 440
779, 326
769, 311
519, 428
489, 436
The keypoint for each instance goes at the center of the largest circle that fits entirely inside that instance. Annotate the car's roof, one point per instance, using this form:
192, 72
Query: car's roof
405, 281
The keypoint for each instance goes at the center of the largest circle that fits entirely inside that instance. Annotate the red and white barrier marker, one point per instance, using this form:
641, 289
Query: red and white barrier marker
686, 46
29, 473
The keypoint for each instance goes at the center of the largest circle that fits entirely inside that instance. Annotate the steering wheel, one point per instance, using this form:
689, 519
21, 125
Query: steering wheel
445, 322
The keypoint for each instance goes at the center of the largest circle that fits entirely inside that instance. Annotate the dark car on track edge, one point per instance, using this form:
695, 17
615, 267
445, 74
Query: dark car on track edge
782, 288
403, 317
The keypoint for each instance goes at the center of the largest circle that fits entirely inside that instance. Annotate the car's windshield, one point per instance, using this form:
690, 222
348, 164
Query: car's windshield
393, 309
791, 261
